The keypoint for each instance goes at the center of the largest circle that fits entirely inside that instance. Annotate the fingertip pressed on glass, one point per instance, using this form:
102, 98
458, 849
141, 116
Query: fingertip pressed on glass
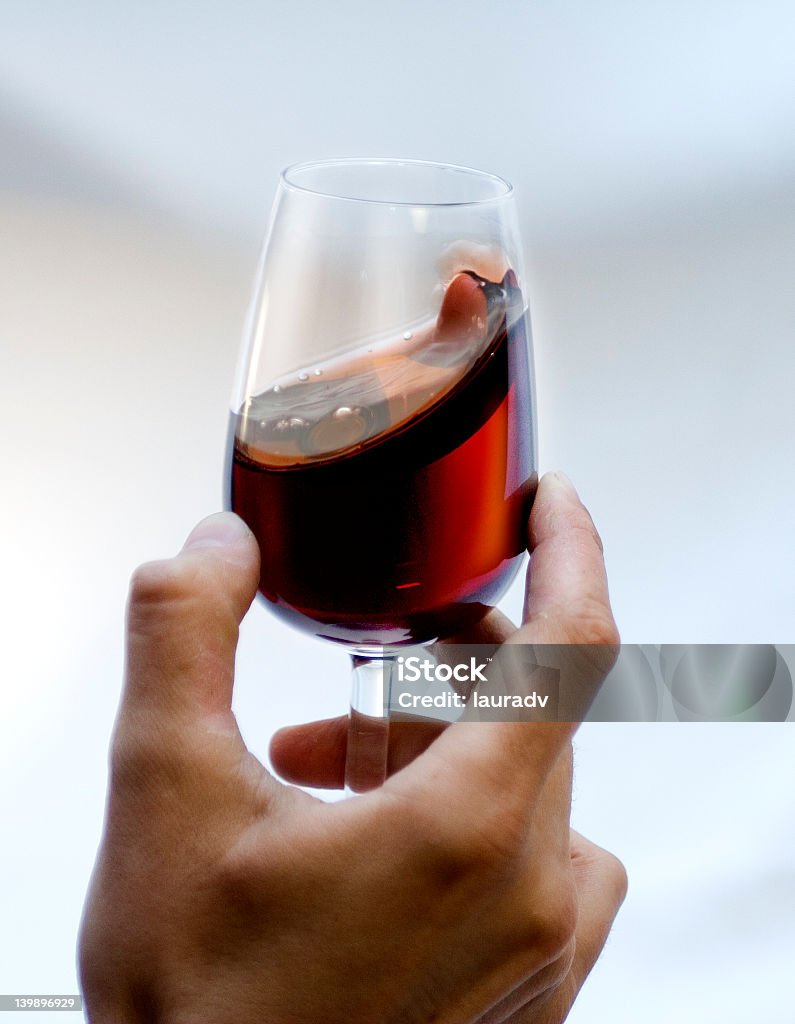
382, 439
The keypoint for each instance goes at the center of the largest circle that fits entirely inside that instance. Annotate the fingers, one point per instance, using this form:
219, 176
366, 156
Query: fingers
567, 600
601, 882
499, 760
314, 754
600, 886
183, 617
497, 763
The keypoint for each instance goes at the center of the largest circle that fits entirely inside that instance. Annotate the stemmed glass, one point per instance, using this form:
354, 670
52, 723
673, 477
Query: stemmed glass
382, 441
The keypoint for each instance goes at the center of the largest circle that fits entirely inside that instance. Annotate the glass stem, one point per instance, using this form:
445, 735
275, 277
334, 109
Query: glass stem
368, 726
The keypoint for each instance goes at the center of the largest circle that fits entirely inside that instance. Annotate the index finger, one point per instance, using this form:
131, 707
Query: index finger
476, 764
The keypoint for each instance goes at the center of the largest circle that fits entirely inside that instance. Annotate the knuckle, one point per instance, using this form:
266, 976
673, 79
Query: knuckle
550, 917
616, 875
181, 590
584, 526
151, 581
165, 581
591, 622
561, 921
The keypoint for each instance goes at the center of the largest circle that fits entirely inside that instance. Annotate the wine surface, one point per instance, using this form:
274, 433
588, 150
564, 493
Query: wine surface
389, 488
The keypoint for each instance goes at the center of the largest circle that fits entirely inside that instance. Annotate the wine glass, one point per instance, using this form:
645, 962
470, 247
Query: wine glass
382, 437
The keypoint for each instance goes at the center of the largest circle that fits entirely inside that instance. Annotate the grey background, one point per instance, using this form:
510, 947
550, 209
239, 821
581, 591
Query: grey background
652, 153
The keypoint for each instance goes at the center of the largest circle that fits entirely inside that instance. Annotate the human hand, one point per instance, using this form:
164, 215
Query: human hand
455, 892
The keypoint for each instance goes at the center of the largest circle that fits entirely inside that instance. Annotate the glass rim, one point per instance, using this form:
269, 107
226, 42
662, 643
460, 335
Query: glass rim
286, 180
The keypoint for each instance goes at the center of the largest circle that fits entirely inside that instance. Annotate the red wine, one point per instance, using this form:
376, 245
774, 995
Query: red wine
389, 489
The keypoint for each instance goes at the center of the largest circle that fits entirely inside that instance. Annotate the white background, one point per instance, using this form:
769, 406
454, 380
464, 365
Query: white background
652, 151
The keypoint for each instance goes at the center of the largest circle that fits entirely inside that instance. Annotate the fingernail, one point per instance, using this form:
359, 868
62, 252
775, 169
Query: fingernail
217, 531
559, 478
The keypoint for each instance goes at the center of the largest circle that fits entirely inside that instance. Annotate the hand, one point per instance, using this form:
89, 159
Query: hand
455, 892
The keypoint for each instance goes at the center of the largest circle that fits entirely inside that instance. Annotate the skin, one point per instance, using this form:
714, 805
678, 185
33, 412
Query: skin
455, 892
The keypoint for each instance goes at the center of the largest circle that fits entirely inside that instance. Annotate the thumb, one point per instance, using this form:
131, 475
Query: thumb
183, 617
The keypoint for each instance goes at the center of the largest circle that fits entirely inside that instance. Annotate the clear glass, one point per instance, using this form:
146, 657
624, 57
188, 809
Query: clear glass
382, 438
